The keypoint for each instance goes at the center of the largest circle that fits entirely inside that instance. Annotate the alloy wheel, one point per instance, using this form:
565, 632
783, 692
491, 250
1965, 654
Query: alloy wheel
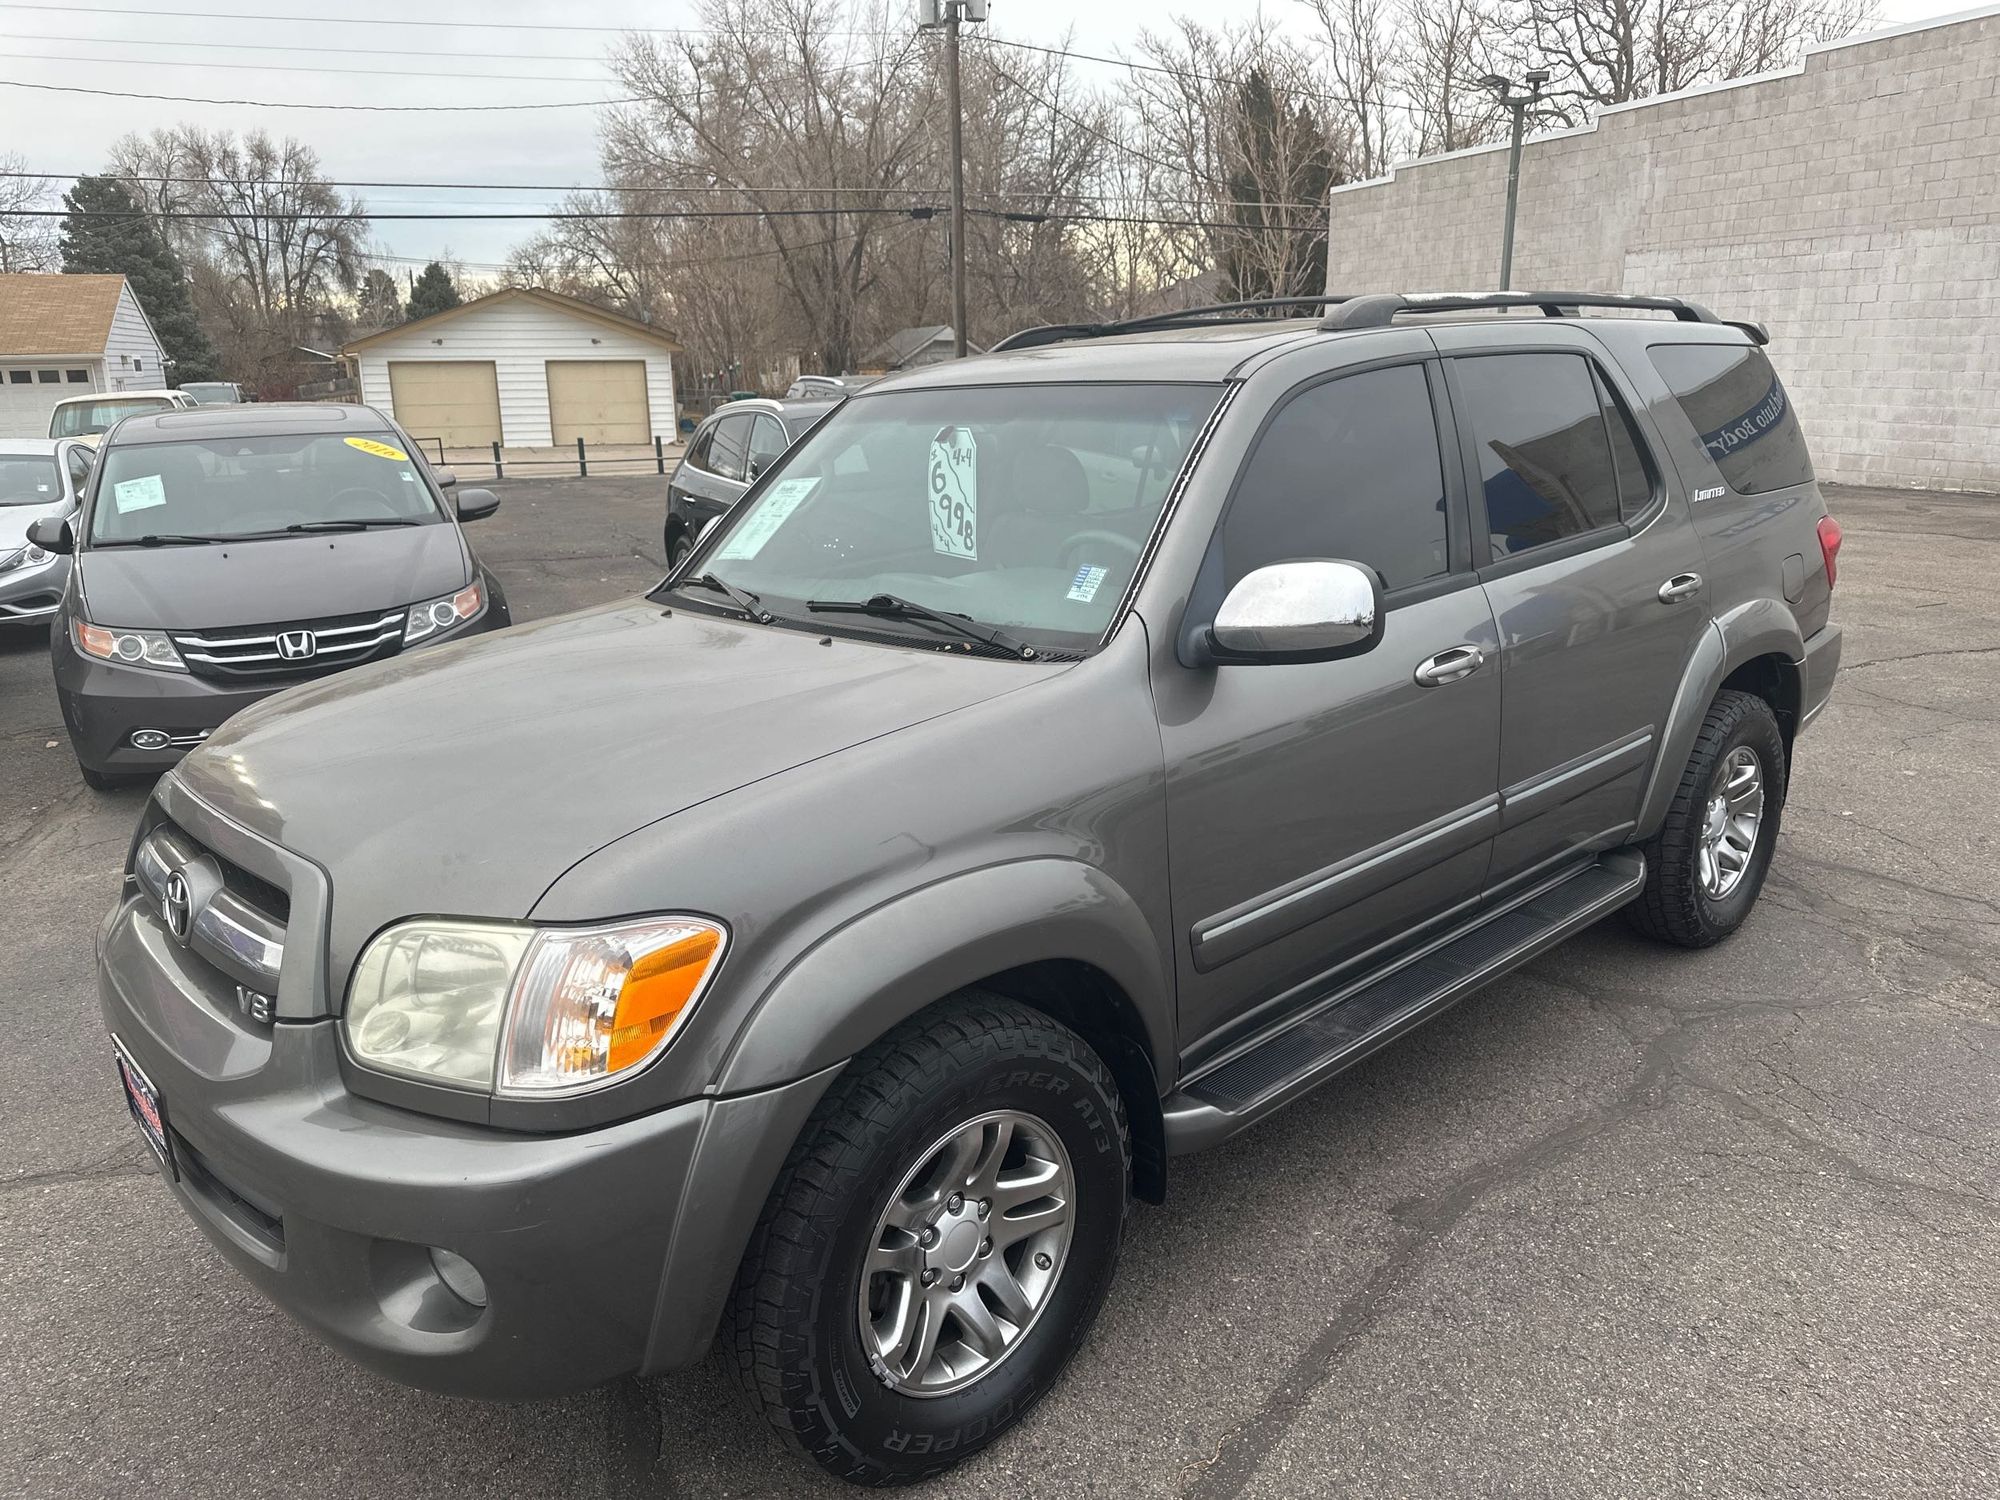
1730, 826
967, 1253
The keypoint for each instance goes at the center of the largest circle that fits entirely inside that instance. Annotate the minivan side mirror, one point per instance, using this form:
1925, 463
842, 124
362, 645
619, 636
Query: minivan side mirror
446, 478
475, 505
1320, 609
52, 534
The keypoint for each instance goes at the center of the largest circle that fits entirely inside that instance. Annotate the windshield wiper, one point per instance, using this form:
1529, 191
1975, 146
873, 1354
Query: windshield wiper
895, 607
748, 602
354, 525
165, 539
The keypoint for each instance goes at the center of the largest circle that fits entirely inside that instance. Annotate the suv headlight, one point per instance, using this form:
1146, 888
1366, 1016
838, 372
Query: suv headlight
436, 616
526, 1012
131, 648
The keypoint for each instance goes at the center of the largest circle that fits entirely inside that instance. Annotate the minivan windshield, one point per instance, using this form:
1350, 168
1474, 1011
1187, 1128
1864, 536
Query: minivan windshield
29, 479
88, 418
1021, 507
226, 488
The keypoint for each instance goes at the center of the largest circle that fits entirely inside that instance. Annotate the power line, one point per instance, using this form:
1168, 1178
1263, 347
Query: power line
140, 41
233, 15
147, 62
67, 88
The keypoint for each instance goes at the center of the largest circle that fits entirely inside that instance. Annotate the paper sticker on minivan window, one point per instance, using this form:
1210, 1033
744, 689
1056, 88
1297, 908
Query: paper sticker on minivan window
774, 508
380, 450
955, 493
138, 494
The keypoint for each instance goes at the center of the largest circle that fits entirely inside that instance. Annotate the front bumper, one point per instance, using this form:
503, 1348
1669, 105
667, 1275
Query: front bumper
602, 1252
1816, 673
31, 595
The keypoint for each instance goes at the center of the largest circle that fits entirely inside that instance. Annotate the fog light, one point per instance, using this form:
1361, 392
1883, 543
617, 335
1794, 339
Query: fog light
456, 1272
149, 739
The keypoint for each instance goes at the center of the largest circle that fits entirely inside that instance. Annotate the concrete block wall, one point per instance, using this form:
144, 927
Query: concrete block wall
1852, 204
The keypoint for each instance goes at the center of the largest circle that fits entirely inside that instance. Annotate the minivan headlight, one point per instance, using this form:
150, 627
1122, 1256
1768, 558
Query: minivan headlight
131, 648
521, 1011
436, 616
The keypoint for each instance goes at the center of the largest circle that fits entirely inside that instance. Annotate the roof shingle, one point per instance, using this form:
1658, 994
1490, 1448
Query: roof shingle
47, 315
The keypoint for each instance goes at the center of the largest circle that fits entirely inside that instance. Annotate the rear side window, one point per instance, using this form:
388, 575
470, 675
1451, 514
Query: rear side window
767, 441
1545, 464
697, 453
1740, 411
727, 451
1349, 469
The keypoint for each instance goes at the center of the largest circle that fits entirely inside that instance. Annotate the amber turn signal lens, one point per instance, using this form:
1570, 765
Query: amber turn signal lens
655, 993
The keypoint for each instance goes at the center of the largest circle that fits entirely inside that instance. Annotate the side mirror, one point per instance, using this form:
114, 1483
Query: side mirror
52, 534
1317, 610
446, 478
475, 505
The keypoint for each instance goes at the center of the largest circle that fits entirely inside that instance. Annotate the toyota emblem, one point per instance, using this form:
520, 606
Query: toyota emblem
297, 645
177, 905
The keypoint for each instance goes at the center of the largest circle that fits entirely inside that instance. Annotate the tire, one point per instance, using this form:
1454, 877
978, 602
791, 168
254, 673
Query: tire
1679, 904
99, 781
802, 1352
678, 549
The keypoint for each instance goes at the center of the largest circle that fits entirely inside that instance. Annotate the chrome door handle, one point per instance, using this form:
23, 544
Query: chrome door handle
1680, 586
1449, 665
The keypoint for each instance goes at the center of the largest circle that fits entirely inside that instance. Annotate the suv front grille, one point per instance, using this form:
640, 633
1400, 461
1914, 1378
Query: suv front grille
236, 922
302, 648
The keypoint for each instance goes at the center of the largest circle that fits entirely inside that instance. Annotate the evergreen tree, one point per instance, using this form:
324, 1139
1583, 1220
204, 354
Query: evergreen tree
378, 304
434, 292
1285, 158
105, 233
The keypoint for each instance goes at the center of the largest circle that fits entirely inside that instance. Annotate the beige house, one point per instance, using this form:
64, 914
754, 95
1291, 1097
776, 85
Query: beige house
68, 336
524, 368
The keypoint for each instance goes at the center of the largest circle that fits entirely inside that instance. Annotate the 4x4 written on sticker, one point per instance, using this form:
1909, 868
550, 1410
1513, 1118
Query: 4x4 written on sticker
955, 493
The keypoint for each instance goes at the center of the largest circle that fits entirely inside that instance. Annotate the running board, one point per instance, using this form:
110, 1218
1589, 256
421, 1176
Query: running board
1273, 1072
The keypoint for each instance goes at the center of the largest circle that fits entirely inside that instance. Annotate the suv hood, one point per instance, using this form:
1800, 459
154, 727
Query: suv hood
465, 779
273, 581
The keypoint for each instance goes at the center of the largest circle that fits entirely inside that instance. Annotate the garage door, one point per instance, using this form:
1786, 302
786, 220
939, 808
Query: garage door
599, 400
25, 401
455, 400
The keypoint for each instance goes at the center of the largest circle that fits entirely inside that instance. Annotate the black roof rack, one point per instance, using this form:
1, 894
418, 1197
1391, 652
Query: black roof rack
1372, 310
1254, 310
1379, 309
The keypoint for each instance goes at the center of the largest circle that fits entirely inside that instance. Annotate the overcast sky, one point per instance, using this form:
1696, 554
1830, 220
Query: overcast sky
546, 56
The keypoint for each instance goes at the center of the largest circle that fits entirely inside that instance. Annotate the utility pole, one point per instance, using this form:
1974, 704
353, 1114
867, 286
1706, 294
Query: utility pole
946, 16
1519, 104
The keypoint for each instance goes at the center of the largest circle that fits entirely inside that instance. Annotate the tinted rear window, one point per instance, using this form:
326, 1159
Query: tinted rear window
1545, 461
1740, 411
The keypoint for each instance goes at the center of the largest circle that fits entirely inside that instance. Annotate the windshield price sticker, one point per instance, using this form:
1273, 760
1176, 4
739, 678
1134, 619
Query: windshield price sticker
380, 450
1083, 587
138, 494
955, 493
773, 510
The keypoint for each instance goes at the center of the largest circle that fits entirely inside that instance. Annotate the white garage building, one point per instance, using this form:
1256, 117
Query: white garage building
524, 368
68, 336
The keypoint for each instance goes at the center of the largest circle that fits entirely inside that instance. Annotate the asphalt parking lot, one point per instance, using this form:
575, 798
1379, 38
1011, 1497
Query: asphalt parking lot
1632, 1222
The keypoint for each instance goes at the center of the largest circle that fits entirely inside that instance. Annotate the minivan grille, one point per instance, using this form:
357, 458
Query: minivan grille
302, 648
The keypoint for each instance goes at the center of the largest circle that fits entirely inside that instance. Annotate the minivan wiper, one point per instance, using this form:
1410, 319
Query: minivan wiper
164, 539
354, 525
750, 604
895, 607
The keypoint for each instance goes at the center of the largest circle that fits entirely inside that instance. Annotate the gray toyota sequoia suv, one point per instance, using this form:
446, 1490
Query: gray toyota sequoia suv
1056, 763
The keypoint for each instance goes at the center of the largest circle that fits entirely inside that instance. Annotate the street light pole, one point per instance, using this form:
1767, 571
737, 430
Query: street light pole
1519, 104
945, 16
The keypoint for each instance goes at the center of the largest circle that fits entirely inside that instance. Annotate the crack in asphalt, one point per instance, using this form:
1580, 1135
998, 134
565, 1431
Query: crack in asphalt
1885, 661
105, 1168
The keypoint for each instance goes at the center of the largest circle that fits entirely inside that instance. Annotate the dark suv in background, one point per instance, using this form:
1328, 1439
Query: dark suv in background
225, 552
1053, 765
727, 454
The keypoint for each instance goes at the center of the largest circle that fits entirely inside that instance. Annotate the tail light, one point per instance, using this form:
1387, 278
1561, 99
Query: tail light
1829, 547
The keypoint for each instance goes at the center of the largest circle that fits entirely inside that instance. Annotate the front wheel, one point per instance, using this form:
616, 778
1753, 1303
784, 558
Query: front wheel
938, 1243
1707, 864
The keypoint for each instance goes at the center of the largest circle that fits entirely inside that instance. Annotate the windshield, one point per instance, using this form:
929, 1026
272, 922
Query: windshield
212, 393
28, 479
88, 418
236, 487
1022, 507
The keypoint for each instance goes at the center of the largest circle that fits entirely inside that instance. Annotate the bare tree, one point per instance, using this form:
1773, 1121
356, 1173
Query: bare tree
1446, 50
1363, 55
26, 243
1608, 52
